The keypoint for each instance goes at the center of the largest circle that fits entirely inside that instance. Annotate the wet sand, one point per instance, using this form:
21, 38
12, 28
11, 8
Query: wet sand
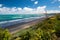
18, 27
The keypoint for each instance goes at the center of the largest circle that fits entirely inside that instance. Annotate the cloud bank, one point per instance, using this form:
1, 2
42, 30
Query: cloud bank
53, 11
25, 10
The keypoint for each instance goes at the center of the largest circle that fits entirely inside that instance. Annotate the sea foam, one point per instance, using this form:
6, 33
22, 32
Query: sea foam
17, 21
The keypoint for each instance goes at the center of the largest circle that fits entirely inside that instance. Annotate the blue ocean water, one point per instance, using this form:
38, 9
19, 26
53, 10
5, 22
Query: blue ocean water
7, 20
8, 17
13, 19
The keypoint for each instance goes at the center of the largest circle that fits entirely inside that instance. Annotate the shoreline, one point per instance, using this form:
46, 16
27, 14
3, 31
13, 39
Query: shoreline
24, 24
17, 21
15, 28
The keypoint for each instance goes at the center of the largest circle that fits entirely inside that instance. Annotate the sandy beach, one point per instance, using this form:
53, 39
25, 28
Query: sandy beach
18, 27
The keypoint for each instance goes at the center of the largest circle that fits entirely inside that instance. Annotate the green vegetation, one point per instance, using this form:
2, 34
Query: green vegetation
48, 29
4, 34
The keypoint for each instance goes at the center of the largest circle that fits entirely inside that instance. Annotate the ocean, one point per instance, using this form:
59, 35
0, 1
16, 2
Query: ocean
12, 19
8, 17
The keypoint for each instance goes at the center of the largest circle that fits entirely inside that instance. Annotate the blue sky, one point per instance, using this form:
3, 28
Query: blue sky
52, 5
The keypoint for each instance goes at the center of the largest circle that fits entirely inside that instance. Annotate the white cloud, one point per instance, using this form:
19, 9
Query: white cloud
59, 6
36, 2
53, 11
58, 0
0, 5
25, 10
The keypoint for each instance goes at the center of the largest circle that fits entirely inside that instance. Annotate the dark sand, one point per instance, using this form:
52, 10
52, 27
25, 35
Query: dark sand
18, 27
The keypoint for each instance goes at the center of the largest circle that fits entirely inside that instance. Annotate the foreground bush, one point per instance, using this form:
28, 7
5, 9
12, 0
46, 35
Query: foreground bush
4, 34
